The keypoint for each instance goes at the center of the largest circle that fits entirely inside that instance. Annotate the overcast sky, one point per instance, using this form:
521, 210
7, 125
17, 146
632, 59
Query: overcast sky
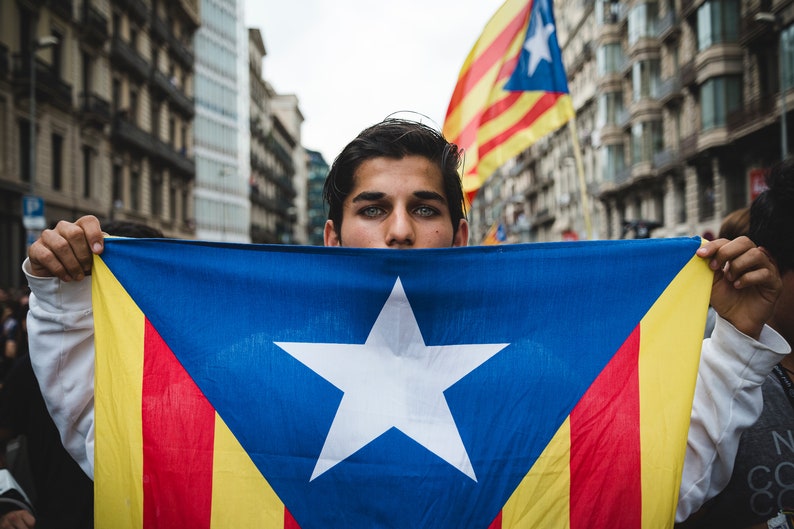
353, 62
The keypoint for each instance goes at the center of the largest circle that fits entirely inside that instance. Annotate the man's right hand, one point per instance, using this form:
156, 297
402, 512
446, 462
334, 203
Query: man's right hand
67, 251
20, 519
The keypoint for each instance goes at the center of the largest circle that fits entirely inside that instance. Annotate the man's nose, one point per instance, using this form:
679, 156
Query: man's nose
401, 232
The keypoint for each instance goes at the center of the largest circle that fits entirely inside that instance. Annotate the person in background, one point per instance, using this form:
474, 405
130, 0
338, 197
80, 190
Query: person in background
396, 185
760, 493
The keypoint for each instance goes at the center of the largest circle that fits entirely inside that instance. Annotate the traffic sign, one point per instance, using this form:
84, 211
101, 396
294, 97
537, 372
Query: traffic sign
33, 213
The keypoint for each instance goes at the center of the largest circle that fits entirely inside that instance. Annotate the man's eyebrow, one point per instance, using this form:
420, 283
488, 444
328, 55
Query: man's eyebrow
366, 196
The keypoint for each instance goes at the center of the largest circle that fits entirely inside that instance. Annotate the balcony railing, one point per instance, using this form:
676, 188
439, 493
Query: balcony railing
665, 159
160, 29
94, 24
49, 86
689, 145
181, 52
176, 159
124, 53
669, 89
184, 105
755, 110
136, 8
95, 110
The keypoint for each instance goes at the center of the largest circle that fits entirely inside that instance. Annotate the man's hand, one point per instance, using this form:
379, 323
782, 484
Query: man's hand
746, 283
20, 519
66, 252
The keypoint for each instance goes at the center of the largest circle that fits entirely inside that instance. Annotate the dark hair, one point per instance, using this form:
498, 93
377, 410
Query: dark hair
735, 224
395, 138
127, 228
772, 216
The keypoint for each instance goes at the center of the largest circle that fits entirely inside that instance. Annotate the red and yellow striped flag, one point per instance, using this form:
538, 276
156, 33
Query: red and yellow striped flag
511, 91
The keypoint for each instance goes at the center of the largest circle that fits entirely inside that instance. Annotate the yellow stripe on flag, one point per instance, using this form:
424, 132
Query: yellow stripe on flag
118, 373
666, 389
541, 499
240, 495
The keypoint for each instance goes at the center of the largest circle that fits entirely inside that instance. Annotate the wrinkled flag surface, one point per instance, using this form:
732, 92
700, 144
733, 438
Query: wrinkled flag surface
519, 386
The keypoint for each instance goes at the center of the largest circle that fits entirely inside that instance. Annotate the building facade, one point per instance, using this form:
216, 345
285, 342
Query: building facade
222, 210
111, 83
679, 107
315, 207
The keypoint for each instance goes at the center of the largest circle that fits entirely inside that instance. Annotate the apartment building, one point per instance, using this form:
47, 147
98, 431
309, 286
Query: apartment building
679, 107
273, 170
111, 84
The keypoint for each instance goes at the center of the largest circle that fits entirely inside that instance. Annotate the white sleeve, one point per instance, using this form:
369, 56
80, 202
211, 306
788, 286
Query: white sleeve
61, 337
727, 401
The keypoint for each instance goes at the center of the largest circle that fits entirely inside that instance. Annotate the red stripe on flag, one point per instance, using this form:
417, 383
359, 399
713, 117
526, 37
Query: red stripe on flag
178, 425
546, 101
468, 136
289, 521
494, 53
497, 523
606, 487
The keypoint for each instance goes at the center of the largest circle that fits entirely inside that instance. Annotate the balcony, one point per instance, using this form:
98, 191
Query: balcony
689, 146
136, 8
668, 26
666, 159
542, 217
160, 29
178, 160
93, 25
688, 73
181, 52
669, 89
94, 110
760, 111
62, 8
128, 133
182, 103
756, 33
125, 55
49, 85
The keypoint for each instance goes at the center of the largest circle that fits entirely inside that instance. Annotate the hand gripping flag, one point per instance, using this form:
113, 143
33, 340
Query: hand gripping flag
523, 386
511, 91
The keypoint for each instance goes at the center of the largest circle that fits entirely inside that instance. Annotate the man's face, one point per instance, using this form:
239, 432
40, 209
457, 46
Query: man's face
397, 204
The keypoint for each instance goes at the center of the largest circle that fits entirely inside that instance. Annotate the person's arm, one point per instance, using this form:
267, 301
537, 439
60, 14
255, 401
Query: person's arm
727, 400
61, 329
734, 363
61, 339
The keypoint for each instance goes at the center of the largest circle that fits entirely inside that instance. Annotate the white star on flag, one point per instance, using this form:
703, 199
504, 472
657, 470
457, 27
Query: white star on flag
393, 380
538, 46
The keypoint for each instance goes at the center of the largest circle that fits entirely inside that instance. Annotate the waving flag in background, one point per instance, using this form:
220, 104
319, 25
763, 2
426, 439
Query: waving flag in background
495, 234
519, 386
511, 91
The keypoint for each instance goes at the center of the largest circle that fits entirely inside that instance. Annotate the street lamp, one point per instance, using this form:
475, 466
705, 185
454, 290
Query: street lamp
36, 45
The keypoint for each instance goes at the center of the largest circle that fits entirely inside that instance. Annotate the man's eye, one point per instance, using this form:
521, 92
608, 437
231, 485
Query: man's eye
425, 211
371, 211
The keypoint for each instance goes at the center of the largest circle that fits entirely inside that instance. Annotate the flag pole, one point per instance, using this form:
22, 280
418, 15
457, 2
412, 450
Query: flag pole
577, 154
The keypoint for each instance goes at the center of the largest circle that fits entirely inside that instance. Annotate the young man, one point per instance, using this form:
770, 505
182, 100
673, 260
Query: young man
396, 186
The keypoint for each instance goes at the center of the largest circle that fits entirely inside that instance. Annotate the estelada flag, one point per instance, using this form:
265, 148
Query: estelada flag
543, 385
511, 91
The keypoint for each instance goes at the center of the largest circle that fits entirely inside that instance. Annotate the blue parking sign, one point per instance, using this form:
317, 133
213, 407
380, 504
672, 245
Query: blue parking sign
33, 213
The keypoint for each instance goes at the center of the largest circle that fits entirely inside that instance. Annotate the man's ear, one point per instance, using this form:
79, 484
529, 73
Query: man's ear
330, 236
461, 237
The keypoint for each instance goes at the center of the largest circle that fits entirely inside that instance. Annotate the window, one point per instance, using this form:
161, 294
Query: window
610, 106
719, 96
134, 106
172, 202
87, 167
612, 162
718, 22
118, 186
157, 193
57, 161
706, 197
609, 58
646, 140
24, 150
116, 95
645, 79
643, 20
787, 45
135, 190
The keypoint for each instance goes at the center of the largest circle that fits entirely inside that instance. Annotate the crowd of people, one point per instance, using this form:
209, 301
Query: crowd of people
397, 186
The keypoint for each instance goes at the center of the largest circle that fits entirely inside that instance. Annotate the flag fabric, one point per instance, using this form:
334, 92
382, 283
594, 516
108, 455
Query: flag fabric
511, 91
495, 235
518, 386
